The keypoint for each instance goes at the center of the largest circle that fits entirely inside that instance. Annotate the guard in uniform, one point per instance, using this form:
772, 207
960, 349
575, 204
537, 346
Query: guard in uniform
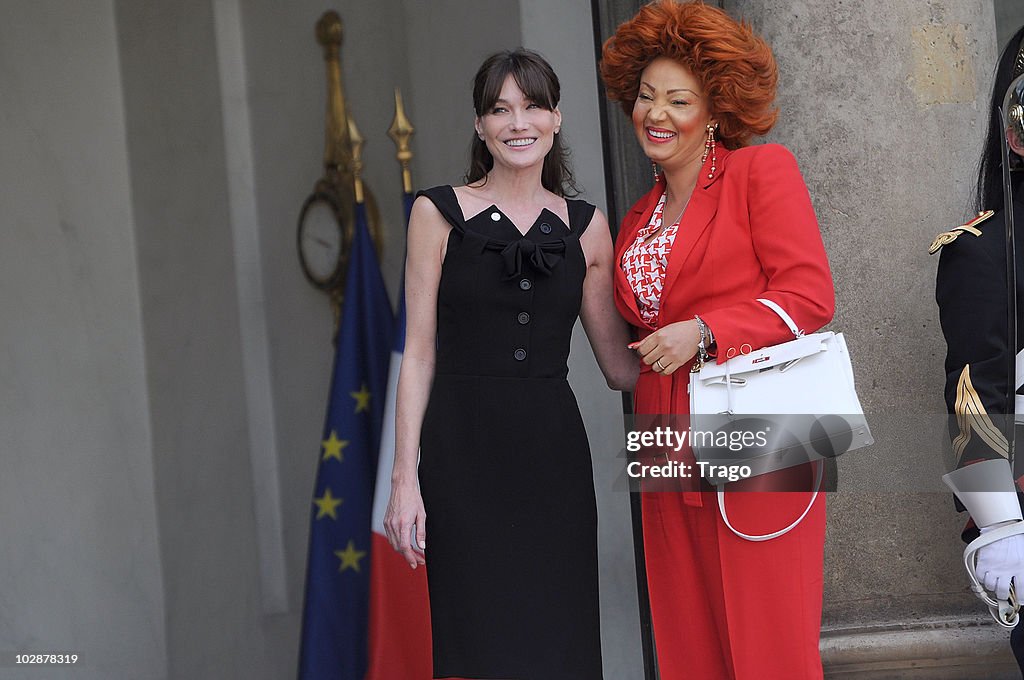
973, 296
971, 292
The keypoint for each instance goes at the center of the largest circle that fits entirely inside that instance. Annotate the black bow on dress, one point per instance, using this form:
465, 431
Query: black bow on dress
543, 257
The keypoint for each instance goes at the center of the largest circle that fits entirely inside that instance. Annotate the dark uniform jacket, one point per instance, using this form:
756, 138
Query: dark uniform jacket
970, 290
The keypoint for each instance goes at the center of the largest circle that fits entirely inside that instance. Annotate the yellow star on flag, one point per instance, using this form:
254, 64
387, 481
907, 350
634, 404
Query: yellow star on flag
350, 556
333, 447
362, 398
327, 504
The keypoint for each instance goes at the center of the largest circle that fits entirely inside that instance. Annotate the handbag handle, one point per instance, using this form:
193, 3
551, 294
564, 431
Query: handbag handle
775, 534
797, 332
782, 314
788, 320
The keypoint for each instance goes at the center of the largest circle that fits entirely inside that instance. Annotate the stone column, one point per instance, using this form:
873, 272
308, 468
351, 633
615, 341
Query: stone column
885, 107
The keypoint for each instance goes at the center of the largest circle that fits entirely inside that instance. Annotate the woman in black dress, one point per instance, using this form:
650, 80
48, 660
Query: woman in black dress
498, 271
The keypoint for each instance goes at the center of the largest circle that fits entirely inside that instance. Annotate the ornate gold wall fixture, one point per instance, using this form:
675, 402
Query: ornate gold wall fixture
337, 151
323, 254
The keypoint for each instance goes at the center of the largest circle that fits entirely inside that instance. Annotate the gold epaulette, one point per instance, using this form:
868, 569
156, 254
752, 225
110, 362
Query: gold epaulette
951, 235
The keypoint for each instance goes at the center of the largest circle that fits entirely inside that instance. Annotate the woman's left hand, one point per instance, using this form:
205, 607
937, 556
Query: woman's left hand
670, 347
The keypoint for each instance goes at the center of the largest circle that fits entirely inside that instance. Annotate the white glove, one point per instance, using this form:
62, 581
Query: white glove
995, 560
1001, 562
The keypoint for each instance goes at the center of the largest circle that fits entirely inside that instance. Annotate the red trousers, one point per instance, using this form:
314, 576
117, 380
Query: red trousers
725, 608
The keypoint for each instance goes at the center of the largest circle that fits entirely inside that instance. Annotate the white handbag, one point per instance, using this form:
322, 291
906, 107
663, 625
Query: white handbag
799, 393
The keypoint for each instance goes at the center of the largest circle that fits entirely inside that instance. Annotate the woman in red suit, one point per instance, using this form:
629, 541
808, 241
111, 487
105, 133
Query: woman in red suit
725, 224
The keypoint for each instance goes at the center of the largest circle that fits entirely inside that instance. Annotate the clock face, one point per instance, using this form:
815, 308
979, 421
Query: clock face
320, 242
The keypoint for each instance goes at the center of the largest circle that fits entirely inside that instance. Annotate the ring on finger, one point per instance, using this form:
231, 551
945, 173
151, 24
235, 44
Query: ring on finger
660, 366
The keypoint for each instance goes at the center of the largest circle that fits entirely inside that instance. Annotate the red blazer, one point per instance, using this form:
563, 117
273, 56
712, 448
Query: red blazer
749, 232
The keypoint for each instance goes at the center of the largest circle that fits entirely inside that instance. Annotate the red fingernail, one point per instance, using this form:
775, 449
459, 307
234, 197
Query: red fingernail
633, 345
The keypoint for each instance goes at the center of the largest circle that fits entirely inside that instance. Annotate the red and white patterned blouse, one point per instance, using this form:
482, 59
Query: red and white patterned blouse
644, 263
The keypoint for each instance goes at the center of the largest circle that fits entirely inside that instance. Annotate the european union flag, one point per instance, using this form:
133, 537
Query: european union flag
336, 609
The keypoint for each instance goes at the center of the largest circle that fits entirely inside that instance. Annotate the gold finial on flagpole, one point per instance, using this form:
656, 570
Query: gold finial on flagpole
400, 132
357, 158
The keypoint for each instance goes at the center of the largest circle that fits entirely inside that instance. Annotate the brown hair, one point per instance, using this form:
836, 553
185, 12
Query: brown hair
535, 77
734, 65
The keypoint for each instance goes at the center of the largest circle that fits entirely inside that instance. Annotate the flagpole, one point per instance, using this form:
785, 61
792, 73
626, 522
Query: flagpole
357, 159
400, 132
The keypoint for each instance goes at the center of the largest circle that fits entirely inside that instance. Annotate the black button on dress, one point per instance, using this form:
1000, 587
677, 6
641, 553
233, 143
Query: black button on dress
505, 467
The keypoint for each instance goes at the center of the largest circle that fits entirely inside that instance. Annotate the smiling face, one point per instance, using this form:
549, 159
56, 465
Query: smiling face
671, 115
518, 131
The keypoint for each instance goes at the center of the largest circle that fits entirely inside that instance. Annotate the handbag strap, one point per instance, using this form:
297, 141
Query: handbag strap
775, 534
782, 314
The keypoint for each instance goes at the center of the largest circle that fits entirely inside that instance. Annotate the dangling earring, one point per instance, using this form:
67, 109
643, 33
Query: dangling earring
654, 169
709, 148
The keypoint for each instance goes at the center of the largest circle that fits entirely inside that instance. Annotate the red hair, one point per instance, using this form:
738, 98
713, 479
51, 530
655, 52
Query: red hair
734, 65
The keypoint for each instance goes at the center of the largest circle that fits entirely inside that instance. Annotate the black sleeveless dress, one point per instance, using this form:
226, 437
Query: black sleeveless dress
505, 468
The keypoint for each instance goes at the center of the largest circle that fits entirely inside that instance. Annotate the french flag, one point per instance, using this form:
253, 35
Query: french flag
399, 605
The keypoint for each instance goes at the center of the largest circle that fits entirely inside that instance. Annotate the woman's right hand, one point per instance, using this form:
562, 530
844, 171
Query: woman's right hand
405, 511
428, 234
